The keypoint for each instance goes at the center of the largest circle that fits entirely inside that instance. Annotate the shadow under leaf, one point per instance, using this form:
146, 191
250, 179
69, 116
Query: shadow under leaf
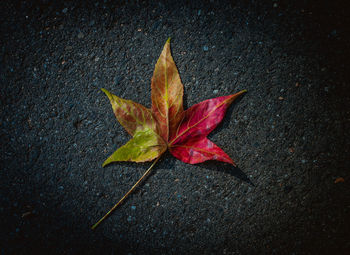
227, 169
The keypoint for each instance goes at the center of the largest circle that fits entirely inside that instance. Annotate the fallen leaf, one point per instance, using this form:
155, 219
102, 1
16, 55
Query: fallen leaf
26, 214
339, 179
29, 121
166, 125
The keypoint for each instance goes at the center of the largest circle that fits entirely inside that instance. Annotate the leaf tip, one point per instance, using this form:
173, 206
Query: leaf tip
106, 91
108, 94
168, 41
107, 161
240, 93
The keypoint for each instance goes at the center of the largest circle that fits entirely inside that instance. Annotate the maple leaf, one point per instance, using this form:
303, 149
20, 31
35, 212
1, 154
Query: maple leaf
166, 124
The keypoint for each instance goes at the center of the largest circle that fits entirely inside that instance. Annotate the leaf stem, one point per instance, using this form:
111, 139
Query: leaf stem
126, 195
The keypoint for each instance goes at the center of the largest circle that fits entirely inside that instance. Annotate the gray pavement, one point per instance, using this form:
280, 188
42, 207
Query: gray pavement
289, 135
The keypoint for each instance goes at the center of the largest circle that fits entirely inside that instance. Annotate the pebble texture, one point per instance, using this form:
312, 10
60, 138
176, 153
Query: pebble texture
289, 134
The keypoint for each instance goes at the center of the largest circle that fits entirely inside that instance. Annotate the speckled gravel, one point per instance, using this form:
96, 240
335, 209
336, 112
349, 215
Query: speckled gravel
289, 134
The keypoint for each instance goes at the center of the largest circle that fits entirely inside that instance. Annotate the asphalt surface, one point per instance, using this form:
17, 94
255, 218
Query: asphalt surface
289, 134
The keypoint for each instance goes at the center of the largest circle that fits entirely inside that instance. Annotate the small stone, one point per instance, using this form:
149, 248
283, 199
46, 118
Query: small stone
287, 189
129, 219
133, 207
97, 59
65, 10
205, 48
326, 89
215, 91
80, 35
333, 33
117, 80
280, 98
275, 5
199, 12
